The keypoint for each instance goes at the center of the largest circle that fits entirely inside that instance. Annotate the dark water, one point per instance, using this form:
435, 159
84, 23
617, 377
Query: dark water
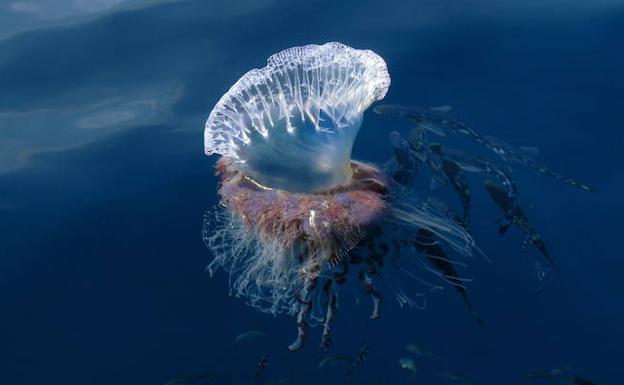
103, 185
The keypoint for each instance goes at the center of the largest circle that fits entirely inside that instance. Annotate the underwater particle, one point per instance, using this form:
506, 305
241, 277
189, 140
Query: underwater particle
409, 365
540, 273
249, 335
421, 351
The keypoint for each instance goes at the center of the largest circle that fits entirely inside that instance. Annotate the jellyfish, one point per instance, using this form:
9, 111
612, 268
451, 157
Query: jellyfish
298, 217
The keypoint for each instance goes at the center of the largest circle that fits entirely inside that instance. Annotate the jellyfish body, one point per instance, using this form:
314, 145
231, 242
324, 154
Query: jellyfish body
291, 125
299, 218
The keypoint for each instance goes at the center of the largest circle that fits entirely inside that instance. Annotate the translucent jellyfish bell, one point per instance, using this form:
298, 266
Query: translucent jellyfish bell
291, 125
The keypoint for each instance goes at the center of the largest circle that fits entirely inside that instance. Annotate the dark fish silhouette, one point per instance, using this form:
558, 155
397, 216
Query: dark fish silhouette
357, 362
522, 156
433, 119
476, 164
261, 369
457, 179
447, 166
456, 162
415, 155
515, 215
426, 244
407, 166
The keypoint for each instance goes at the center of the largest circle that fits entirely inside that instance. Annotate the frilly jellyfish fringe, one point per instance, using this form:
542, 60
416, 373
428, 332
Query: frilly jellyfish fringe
299, 218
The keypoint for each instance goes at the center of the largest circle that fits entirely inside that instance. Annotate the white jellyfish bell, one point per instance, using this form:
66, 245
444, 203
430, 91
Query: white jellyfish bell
291, 125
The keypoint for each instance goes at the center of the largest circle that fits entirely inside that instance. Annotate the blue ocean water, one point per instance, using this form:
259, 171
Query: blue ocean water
103, 187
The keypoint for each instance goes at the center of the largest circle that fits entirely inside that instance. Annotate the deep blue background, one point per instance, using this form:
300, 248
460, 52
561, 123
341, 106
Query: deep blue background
103, 185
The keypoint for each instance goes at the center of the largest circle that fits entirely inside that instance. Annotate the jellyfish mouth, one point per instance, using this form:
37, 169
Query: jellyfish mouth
339, 213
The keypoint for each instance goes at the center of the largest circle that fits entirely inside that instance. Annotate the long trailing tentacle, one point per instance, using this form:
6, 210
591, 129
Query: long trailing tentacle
331, 309
305, 304
370, 289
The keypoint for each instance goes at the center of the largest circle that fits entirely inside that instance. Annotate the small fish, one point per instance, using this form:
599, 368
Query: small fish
437, 120
331, 360
578, 380
475, 164
434, 119
409, 365
250, 335
427, 118
457, 178
417, 139
421, 155
261, 368
420, 351
426, 244
357, 362
453, 376
515, 215
523, 156
189, 379
456, 162
407, 167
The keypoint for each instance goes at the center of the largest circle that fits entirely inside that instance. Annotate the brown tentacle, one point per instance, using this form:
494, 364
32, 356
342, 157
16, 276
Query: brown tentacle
369, 288
332, 308
305, 304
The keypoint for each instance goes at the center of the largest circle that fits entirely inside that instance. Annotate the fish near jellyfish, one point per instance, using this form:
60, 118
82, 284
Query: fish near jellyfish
298, 217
